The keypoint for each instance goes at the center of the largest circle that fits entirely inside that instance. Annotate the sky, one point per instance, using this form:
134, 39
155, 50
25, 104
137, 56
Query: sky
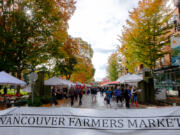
99, 22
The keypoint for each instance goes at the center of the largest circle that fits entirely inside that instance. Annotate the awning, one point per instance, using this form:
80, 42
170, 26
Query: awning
6, 78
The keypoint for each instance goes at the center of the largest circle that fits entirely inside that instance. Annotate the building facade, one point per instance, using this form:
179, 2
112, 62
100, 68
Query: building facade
167, 73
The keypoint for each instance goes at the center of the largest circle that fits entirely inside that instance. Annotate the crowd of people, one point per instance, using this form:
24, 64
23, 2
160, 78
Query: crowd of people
122, 94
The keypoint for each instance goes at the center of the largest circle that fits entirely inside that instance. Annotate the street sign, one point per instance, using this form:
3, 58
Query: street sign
33, 77
175, 47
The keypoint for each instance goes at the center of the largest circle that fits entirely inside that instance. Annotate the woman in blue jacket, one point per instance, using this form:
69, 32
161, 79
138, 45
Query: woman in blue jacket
108, 95
118, 93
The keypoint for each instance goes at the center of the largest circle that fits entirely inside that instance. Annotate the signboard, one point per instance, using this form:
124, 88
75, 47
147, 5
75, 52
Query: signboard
175, 47
68, 121
33, 77
160, 94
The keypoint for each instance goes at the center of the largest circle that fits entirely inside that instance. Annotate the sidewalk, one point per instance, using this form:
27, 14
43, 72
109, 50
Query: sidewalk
98, 104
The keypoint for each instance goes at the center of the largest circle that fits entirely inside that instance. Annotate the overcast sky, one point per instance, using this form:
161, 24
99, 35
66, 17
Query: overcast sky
99, 22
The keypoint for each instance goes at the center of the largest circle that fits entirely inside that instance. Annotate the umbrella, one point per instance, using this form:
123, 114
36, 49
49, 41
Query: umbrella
6, 78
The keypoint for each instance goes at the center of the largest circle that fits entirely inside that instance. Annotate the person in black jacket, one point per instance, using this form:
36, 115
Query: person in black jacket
72, 94
5, 90
127, 96
54, 96
93, 93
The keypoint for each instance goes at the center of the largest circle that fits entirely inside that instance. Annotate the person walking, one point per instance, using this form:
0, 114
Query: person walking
80, 95
54, 95
72, 94
134, 96
76, 92
101, 91
93, 93
5, 91
118, 94
127, 96
109, 95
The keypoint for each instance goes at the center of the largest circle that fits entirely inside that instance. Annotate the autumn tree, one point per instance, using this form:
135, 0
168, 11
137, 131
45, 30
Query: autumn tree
83, 70
33, 36
146, 33
65, 65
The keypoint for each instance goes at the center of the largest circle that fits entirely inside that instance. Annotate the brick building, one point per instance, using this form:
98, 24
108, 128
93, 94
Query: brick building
167, 75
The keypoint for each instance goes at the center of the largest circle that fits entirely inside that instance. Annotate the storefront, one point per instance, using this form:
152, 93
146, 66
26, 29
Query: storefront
169, 79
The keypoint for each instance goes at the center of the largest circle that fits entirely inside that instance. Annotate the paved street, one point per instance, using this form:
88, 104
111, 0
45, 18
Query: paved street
98, 104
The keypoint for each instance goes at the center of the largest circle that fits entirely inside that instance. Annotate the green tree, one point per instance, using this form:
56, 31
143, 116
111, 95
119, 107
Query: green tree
32, 32
113, 66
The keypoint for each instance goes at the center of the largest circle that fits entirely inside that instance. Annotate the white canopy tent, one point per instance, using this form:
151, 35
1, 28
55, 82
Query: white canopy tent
54, 81
130, 78
133, 78
6, 78
69, 83
123, 78
27, 88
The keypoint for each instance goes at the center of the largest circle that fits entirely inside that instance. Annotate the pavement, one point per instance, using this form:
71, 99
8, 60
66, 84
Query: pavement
99, 103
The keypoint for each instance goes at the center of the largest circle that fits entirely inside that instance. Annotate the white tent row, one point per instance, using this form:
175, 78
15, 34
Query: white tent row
122, 78
55, 81
6, 79
130, 78
69, 83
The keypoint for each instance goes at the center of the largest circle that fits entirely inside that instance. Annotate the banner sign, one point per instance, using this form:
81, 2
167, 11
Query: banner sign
175, 47
67, 121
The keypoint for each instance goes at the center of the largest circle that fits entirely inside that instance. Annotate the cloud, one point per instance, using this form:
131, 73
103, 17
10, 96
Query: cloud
103, 67
101, 50
99, 22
